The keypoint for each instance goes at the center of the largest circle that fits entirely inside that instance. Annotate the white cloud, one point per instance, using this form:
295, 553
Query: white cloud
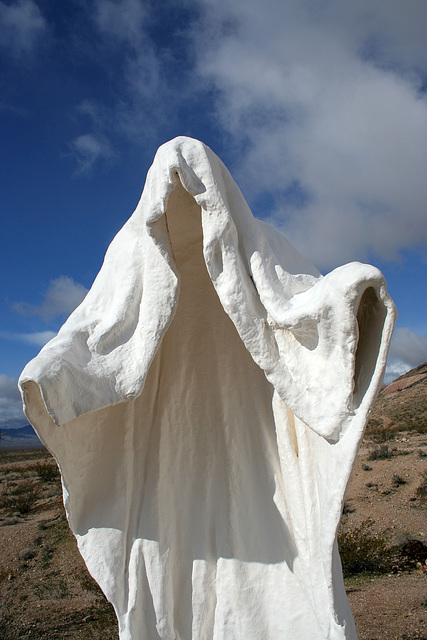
11, 414
90, 148
408, 346
407, 350
21, 27
390, 34
8, 387
326, 96
63, 295
395, 369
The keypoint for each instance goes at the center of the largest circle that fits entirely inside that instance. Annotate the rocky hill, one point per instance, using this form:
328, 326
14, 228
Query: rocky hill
402, 405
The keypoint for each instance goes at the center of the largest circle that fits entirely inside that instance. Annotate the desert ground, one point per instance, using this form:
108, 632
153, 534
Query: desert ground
46, 591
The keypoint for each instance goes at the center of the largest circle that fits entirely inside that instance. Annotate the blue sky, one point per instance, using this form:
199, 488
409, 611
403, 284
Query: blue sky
318, 108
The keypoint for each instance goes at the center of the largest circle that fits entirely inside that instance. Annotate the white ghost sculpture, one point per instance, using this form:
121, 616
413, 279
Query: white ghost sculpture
205, 404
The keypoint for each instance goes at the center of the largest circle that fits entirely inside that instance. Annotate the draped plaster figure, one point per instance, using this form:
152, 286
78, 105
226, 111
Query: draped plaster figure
205, 404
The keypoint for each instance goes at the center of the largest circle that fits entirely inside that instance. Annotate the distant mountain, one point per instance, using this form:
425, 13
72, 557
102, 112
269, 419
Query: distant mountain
402, 405
22, 438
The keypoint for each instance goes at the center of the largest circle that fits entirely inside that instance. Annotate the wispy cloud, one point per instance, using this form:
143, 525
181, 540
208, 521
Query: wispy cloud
22, 27
89, 149
63, 295
327, 96
143, 74
10, 403
38, 338
122, 20
12, 109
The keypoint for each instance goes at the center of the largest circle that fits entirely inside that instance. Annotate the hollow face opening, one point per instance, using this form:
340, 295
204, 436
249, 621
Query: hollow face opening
212, 424
200, 331
203, 359
371, 315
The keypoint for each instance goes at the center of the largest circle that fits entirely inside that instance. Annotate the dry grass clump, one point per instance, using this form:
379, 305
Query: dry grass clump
47, 471
19, 497
381, 452
398, 481
379, 436
418, 427
422, 489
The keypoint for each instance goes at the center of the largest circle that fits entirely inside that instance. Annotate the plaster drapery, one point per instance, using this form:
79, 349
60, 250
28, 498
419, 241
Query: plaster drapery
205, 404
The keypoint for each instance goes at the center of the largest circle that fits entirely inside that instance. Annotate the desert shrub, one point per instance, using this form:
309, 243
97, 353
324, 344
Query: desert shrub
52, 588
379, 436
374, 424
366, 467
47, 471
363, 551
412, 552
419, 427
4, 575
347, 508
46, 556
381, 452
87, 583
19, 497
104, 619
371, 485
398, 480
403, 452
422, 489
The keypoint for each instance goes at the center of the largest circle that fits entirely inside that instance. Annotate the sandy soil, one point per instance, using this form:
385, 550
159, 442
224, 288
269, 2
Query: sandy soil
392, 606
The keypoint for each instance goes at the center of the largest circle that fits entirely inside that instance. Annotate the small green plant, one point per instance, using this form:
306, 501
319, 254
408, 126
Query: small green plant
381, 452
363, 551
19, 497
